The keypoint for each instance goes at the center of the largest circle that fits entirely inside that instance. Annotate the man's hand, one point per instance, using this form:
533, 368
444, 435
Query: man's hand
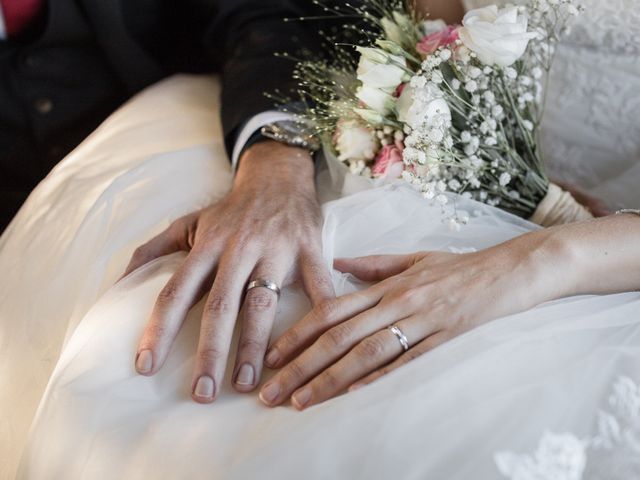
268, 227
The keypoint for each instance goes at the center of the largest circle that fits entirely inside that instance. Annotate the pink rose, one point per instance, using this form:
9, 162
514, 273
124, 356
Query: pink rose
433, 41
388, 164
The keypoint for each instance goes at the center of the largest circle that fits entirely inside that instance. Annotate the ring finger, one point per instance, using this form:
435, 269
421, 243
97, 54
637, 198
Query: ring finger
257, 316
420, 349
326, 350
372, 353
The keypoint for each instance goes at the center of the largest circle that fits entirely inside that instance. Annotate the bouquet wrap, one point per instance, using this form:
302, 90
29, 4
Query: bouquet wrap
559, 207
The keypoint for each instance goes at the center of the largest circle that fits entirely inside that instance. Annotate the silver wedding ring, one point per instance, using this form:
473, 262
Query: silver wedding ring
260, 283
628, 210
402, 338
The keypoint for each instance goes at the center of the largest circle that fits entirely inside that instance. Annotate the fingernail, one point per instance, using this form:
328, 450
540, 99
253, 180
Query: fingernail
205, 387
273, 357
270, 392
301, 398
144, 362
245, 375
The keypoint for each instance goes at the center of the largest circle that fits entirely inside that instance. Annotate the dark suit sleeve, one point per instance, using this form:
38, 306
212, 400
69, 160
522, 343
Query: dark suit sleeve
250, 33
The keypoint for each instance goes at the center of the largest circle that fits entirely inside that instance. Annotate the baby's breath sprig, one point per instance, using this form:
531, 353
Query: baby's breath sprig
422, 93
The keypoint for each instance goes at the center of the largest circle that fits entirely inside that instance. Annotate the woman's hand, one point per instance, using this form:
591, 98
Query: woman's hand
430, 297
433, 297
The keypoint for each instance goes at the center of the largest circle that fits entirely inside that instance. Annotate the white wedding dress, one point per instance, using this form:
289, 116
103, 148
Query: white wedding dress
549, 394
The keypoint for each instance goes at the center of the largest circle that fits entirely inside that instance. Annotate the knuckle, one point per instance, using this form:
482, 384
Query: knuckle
338, 337
251, 346
329, 379
371, 347
210, 355
258, 301
291, 339
410, 297
324, 285
326, 311
217, 305
295, 371
169, 293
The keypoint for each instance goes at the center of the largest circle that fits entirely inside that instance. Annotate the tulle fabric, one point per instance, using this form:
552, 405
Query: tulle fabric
73, 407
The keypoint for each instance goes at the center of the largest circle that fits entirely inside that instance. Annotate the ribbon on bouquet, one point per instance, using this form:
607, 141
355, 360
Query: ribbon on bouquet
559, 207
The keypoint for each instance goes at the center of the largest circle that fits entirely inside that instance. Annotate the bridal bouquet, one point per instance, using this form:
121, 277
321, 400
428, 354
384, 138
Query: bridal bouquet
449, 108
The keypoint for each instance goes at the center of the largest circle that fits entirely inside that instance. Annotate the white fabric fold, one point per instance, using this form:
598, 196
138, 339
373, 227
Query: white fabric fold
72, 406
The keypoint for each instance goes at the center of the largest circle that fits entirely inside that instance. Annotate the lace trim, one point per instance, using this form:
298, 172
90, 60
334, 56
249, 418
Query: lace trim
613, 453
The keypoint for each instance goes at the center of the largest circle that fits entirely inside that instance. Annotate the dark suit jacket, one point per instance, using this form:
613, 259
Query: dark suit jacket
84, 58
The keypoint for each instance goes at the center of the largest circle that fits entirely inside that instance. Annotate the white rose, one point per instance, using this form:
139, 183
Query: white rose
353, 141
374, 54
423, 108
376, 99
379, 69
404, 103
497, 36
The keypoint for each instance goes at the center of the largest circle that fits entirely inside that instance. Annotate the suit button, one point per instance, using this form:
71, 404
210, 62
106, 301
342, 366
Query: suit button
43, 105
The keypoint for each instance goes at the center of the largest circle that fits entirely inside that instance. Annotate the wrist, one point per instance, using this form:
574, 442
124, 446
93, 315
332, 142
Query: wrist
552, 262
275, 163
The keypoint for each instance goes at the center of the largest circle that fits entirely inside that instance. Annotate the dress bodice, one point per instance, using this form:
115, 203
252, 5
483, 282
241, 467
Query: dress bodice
591, 129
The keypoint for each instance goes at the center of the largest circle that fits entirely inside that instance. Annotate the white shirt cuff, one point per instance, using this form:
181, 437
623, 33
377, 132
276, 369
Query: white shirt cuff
3, 28
249, 128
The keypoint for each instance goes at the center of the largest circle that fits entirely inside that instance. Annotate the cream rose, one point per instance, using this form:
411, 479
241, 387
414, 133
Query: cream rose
353, 141
422, 107
376, 99
497, 36
379, 69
